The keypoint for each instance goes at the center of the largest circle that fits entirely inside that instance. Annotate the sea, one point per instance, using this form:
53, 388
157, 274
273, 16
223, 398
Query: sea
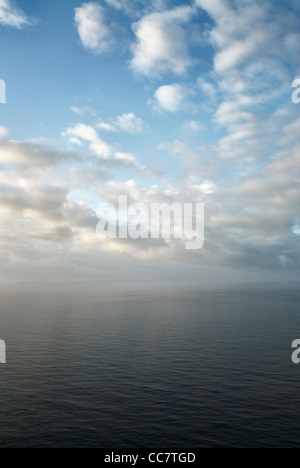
153, 368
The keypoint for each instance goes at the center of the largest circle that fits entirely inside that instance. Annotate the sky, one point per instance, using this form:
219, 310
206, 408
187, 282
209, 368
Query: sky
162, 101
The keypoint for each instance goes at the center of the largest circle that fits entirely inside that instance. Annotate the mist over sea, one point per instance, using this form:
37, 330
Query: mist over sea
149, 368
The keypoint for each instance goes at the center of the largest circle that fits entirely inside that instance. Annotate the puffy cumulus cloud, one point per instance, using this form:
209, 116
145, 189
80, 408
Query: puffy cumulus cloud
246, 29
88, 133
12, 16
255, 46
207, 187
81, 133
109, 127
93, 29
128, 157
128, 123
162, 45
171, 98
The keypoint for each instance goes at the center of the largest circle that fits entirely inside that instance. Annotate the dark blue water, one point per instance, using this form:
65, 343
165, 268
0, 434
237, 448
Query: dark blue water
150, 370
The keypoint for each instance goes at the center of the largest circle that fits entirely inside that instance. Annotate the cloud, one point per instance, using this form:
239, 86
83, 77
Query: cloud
89, 134
82, 110
36, 155
193, 126
253, 59
41, 215
208, 88
86, 133
12, 16
171, 98
93, 30
42, 212
245, 167
250, 30
3, 132
128, 123
106, 126
127, 157
162, 45
118, 4
76, 110
290, 134
38, 217
128, 6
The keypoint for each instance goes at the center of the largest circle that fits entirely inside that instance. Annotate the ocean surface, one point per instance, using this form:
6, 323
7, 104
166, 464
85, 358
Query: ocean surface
152, 369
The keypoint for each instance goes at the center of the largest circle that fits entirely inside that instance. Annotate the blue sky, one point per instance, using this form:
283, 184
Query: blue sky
182, 101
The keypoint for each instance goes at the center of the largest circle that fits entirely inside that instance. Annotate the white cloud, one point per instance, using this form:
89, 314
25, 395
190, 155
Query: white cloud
128, 123
3, 132
207, 187
76, 110
162, 45
255, 226
115, 4
254, 47
192, 126
241, 30
89, 134
93, 30
215, 8
127, 157
12, 16
106, 126
250, 30
100, 148
171, 98
129, 6
83, 110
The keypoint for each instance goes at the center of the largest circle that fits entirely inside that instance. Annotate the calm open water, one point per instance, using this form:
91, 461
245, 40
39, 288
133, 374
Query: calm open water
150, 370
